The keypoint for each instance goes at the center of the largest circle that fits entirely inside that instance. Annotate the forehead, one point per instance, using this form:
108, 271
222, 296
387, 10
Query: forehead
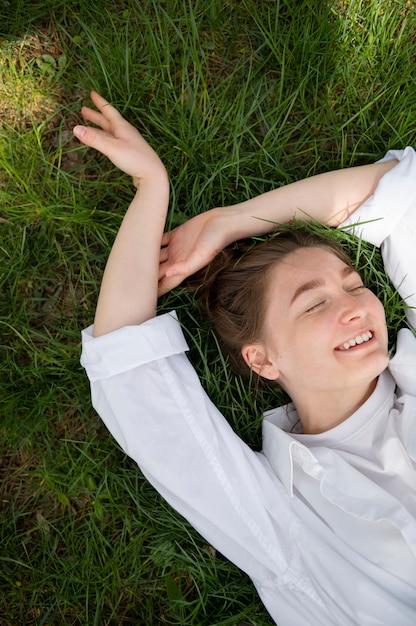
308, 266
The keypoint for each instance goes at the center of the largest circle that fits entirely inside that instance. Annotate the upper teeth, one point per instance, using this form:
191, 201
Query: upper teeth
353, 342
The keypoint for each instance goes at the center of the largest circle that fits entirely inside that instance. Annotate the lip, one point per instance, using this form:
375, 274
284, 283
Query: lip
358, 345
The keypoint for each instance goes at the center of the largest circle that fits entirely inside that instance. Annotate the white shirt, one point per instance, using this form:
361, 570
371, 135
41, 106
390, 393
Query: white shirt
324, 525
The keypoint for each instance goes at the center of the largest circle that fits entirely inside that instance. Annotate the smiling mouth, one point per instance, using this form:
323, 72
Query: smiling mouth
356, 341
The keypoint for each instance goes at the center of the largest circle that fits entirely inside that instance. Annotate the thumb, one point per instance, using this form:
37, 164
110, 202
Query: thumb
79, 132
166, 284
196, 260
180, 269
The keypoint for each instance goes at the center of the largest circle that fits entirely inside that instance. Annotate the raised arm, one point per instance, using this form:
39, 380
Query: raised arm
329, 198
129, 288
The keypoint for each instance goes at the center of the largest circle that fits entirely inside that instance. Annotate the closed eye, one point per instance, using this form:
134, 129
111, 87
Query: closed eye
356, 288
315, 306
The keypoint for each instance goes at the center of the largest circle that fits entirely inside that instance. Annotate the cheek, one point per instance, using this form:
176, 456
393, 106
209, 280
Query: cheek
382, 317
377, 309
302, 349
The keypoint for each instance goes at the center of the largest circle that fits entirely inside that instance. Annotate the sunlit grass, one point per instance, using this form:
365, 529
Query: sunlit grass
29, 87
237, 98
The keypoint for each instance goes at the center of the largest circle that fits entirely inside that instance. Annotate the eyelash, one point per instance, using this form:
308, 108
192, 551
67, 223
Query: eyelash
316, 306
357, 288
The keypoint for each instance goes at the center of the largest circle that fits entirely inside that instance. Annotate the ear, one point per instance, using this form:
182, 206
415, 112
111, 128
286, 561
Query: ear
254, 354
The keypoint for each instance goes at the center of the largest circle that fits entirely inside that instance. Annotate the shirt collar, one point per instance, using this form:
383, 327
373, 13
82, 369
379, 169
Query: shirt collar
282, 448
279, 446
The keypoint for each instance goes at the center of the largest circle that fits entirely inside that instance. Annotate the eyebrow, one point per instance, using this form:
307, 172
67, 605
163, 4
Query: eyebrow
319, 282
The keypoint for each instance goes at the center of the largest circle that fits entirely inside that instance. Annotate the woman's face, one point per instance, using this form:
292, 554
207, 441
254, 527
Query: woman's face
324, 331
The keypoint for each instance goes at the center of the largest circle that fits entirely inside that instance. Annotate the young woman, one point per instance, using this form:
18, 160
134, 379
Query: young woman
323, 520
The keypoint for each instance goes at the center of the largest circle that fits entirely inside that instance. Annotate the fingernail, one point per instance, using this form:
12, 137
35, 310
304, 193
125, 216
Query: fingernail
79, 131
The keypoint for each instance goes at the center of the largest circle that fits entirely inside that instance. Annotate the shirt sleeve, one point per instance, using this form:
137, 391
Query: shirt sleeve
388, 220
150, 398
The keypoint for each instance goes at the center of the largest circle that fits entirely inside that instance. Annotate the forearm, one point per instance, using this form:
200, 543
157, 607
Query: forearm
129, 288
329, 198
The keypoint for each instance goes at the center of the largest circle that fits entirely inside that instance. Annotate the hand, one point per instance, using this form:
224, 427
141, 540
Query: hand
191, 246
119, 141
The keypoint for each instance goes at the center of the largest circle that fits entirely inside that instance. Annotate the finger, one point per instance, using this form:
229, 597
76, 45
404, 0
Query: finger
193, 263
105, 107
98, 100
95, 118
181, 269
162, 290
164, 255
167, 284
166, 238
170, 276
162, 271
94, 138
185, 267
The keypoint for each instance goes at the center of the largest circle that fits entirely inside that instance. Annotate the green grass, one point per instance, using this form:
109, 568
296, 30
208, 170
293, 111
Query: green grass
237, 97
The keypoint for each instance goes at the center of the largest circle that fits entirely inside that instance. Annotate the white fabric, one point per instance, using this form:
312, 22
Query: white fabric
359, 476
324, 525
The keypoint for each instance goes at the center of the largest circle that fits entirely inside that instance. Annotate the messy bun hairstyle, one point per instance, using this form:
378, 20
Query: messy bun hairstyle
233, 287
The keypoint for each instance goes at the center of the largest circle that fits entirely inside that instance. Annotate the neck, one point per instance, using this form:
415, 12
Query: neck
327, 410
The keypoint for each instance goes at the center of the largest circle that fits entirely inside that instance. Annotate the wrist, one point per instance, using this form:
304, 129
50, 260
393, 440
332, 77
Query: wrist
155, 178
153, 196
240, 222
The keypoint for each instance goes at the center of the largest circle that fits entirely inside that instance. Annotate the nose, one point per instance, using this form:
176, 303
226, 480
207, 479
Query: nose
351, 309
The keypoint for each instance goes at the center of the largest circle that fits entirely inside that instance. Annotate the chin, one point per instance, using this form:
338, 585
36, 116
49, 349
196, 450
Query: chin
375, 373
